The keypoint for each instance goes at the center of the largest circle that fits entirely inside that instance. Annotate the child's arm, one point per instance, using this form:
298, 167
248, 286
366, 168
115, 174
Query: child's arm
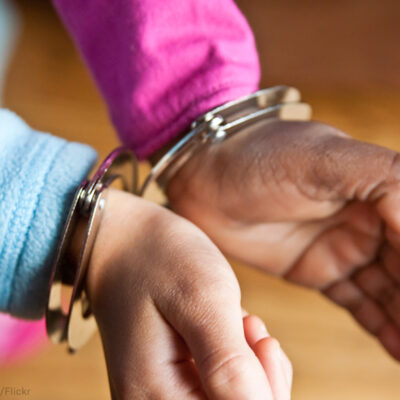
140, 261
308, 202
39, 174
168, 308
161, 63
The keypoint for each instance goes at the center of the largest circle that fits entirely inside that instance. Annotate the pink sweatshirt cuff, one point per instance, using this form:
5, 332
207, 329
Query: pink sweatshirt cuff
161, 63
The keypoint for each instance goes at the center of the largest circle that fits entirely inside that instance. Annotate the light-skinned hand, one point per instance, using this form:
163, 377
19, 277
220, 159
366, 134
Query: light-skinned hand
168, 308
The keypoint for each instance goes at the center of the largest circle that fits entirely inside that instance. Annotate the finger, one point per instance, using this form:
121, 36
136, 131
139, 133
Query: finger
388, 208
147, 359
211, 324
287, 367
367, 312
343, 248
391, 262
377, 284
254, 329
364, 309
270, 355
389, 336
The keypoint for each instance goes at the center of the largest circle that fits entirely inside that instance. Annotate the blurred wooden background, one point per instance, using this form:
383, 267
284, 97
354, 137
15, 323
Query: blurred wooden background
344, 56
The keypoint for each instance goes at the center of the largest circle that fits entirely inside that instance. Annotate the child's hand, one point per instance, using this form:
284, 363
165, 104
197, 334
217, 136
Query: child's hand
168, 307
305, 201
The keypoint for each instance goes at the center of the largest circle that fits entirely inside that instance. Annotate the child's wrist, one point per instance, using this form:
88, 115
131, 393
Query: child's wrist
222, 122
125, 220
68, 316
104, 247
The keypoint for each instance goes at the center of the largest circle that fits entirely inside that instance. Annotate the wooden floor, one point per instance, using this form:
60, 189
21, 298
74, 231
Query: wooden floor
344, 56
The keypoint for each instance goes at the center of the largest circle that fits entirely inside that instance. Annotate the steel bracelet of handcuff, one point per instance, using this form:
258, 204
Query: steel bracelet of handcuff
73, 321
282, 102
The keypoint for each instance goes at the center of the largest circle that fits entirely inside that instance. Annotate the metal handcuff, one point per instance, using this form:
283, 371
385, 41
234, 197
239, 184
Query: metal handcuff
217, 125
74, 322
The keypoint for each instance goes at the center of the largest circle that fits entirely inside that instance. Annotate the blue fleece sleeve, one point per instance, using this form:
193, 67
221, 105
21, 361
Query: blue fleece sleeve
39, 174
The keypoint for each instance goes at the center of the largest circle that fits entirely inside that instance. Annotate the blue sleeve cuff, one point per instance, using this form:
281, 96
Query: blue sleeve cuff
39, 175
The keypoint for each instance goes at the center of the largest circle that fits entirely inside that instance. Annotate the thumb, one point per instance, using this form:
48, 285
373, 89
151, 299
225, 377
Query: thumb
210, 322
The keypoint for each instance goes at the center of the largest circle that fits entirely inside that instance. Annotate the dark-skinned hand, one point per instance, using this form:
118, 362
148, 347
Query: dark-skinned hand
304, 201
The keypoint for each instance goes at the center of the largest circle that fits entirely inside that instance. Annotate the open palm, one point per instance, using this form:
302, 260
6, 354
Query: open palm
304, 201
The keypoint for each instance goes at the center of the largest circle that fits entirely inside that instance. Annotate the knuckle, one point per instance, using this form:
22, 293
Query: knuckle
386, 295
224, 367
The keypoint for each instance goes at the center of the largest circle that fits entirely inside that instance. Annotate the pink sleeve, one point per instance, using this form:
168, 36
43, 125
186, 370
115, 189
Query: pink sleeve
161, 63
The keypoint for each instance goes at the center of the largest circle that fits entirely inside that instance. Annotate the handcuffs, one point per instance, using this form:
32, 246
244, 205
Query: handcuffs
70, 319
73, 321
